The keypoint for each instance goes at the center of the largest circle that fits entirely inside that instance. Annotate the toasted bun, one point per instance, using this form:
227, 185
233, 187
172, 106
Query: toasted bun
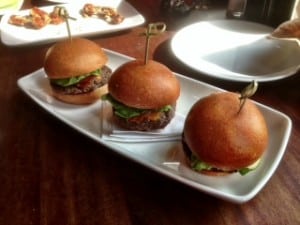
218, 134
74, 57
81, 99
288, 29
142, 86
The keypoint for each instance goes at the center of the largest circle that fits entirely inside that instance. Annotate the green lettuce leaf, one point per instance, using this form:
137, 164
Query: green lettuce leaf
127, 112
65, 82
199, 165
245, 170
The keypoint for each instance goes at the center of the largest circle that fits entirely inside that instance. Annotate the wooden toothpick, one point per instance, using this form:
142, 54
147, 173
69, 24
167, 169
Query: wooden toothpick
152, 30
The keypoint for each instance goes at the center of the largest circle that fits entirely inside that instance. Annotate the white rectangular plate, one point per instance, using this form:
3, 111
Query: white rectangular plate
166, 157
12, 35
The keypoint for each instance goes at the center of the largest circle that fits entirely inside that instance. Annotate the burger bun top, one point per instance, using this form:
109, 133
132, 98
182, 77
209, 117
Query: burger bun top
144, 86
73, 57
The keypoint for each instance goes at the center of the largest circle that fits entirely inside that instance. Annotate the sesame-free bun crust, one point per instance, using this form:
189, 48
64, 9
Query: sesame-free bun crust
81, 99
142, 86
218, 134
74, 57
287, 29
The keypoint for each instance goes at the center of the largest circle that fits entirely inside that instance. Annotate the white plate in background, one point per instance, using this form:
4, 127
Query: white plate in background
12, 35
63, 1
166, 157
236, 50
60, 1
10, 6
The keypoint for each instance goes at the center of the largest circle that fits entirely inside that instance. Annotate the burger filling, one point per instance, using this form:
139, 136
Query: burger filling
140, 119
83, 83
198, 165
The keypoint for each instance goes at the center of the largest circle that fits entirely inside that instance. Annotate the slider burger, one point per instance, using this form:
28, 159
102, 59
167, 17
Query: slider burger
77, 71
219, 138
143, 96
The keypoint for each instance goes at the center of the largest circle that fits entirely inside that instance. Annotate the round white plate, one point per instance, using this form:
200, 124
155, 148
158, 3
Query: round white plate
236, 50
10, 5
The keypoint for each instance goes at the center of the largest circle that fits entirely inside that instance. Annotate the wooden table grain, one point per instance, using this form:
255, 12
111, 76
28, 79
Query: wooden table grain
51, 174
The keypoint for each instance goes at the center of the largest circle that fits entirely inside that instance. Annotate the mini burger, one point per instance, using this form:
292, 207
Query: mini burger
219, 138
77, 71
143, 96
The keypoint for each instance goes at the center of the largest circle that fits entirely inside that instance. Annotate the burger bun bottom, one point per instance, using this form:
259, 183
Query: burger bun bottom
81, 99
216, 173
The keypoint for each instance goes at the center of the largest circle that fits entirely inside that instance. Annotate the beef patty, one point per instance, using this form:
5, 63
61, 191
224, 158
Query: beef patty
88, 84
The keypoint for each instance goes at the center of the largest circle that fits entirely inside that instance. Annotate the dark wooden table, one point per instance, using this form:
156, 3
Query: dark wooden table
51, 174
